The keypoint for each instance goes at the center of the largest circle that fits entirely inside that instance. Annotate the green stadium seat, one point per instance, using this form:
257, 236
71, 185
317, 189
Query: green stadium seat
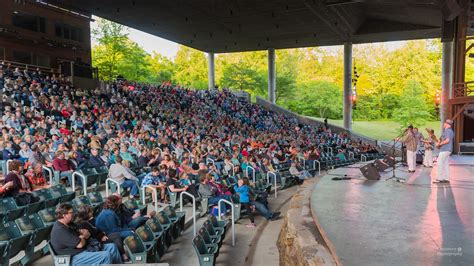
16, 242
46, 196
175, 217
151, 244
159, 232
9, 210
59, 260
206, 255
208, 240
135, 205
214, 234
135, 249
59, 191
48, 215
32, 224
219, 225
168, 224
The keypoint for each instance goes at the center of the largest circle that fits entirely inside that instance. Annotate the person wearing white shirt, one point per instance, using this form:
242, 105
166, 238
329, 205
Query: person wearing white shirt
124, 177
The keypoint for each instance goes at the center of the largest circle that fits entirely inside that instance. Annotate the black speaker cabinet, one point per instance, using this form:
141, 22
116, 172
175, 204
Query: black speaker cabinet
370, 172
380, 165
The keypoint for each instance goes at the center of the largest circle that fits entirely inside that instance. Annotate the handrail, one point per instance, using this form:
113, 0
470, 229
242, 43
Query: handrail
301, 158
8, 166
209, 160
231, 167
84, 182
247, 172
233, 216
51, 176
351, 153
268, 181
319, 166
363, 158
194, 208
107, 186
154, 194
330, 149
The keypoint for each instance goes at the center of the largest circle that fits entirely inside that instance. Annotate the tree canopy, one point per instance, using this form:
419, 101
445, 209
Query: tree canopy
394, 83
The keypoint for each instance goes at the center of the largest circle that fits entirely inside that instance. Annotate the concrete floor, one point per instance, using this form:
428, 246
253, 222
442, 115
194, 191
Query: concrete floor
390, 223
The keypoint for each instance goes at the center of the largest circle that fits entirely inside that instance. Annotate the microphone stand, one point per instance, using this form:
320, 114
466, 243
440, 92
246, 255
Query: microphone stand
394, 177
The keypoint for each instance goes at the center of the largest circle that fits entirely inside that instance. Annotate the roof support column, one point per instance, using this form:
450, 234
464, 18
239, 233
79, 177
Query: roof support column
347, 86
446, 80
211, 71
271, 75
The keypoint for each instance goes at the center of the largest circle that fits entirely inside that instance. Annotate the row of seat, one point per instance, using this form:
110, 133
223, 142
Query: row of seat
208, 241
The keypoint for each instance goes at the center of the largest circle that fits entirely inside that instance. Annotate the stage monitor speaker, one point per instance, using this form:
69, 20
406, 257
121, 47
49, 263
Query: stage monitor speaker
370, 172
389, 160
380, 165
447, 31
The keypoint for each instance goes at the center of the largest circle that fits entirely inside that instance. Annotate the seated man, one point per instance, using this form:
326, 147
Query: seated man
304, 174
64, 166
124, 176
65, 240
209, 192
156, 179
94, 160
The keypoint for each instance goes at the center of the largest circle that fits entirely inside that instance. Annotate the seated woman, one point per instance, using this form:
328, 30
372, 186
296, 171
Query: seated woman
85, 220
35, 175
21, 187
109, 222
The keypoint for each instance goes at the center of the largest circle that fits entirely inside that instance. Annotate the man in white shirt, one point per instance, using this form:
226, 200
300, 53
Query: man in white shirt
124, 177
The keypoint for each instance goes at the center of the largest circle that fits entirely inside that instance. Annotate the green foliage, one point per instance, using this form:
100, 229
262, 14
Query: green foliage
413, 108
309, 80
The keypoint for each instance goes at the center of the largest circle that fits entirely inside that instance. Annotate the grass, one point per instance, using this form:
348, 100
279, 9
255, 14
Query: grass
383, 130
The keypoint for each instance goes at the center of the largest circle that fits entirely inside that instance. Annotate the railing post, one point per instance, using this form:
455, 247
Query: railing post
351, 153
253, 172
194, 208
51, 176
363, 158
275, 178
154, 194
319, 166
84, 182
233, 216
209, 160
232, 168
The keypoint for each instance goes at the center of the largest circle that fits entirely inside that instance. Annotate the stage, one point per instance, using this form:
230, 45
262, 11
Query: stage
391, 223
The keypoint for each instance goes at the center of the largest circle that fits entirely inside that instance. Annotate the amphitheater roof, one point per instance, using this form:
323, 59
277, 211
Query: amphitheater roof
243, 25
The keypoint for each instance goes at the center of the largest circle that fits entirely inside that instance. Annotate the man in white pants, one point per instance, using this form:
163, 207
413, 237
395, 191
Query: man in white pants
411, 143
445, 145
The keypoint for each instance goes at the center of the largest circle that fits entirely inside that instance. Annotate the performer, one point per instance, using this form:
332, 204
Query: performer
429, 145
411, 143
445, 146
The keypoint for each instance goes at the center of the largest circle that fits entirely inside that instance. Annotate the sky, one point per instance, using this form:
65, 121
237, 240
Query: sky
167, 48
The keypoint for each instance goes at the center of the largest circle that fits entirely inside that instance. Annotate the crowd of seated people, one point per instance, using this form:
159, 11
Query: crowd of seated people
181, 137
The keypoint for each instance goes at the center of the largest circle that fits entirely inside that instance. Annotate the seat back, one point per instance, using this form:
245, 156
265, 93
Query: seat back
163, 218
205, 235
199, 245
154, 225
59, 260
135, 249
207, 224
95, 198
16, 241
145, 234
48, 215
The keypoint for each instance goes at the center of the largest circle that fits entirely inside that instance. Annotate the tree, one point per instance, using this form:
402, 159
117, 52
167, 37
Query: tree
413, 108
191, 68
112, 48
161, 68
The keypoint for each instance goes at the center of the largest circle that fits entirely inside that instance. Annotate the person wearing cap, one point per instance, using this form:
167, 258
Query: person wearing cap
445, 145
409, 139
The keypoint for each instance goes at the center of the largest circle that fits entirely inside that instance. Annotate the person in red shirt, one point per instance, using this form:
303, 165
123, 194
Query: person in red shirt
64, 166
64, 131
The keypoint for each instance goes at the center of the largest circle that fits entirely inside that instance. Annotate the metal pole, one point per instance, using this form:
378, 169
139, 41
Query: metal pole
233, 216
275, 179
446, 80
271, 76
211, 71
194, 208
347, 86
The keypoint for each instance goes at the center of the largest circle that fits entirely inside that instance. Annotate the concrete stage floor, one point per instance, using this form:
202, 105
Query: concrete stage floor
390, 223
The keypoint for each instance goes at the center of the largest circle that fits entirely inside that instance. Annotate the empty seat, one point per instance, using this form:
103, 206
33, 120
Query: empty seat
135, 205
159, 232
206, 255
32, 224
48, 215
46, 196
16, 242
175, 216
152, 245
135, 249
59, 191
9, 210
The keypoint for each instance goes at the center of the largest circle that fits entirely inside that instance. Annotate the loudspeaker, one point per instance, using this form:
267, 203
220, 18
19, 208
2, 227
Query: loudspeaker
389, 160
370, 172
380, 165
447, 30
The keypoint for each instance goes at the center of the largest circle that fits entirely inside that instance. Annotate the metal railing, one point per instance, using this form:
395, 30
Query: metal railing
319, 166
233, 216
363, 158
8, 166
107, 186
330, 150
247, 172
50, 173
231, 168
194, 208
275, 178
84, 182
351, 154
209, 160
154, 195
